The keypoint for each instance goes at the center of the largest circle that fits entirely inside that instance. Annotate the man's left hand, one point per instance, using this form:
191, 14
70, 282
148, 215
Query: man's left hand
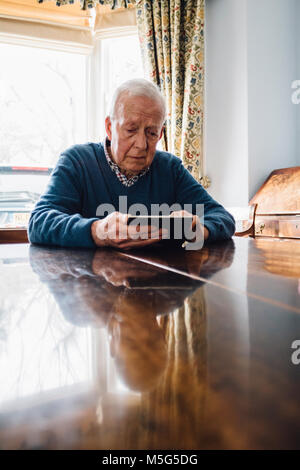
196, 224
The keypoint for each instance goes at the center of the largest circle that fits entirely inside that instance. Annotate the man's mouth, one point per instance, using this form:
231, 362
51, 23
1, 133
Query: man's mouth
137, 158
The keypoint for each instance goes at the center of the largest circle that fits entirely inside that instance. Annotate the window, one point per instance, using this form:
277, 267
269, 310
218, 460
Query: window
50, 100
43, 104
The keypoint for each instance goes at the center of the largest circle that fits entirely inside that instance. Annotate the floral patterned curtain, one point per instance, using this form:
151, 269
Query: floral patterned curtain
172, 40
85, 4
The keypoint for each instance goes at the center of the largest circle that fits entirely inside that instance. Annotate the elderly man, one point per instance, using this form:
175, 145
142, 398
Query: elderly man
126, 166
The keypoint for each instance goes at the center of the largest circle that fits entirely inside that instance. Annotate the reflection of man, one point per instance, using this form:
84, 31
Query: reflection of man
127, 164
136, 341
87, 290
104, 288
90, 294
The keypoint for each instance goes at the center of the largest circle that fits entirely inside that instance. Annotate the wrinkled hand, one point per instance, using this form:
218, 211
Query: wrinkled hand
196, 224
113, 231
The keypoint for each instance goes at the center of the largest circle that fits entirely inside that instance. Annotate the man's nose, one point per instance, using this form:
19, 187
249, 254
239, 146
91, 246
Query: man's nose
141, 140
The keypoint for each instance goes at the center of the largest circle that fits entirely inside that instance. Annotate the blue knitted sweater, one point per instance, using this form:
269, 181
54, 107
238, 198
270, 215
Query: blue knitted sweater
82, 180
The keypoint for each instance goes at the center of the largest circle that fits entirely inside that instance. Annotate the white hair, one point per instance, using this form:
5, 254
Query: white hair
138, 87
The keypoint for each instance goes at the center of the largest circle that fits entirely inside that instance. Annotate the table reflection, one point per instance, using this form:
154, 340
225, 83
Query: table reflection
130, 355
77, 316
106, 290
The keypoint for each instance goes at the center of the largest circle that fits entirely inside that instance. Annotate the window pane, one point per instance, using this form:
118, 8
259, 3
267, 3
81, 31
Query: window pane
123, 61
43, 104
43, 111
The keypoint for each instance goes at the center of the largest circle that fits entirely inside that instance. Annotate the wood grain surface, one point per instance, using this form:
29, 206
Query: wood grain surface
193, 350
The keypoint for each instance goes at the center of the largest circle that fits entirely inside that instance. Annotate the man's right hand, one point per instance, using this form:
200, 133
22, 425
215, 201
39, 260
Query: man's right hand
113, 231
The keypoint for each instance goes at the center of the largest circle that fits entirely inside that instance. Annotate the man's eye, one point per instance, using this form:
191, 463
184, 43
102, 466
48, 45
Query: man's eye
152, 133
131, 130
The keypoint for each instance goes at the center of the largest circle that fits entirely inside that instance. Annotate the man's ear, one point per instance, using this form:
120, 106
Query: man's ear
108, 127
161, 132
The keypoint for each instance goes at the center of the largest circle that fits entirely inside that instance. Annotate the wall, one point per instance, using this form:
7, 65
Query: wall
272, 117
251, 123
226, 101
297, 16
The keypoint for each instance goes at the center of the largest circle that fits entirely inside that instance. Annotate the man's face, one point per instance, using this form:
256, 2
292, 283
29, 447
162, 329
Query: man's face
134, 132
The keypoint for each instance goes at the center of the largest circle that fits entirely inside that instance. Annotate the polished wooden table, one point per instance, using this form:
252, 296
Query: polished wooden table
152, 349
